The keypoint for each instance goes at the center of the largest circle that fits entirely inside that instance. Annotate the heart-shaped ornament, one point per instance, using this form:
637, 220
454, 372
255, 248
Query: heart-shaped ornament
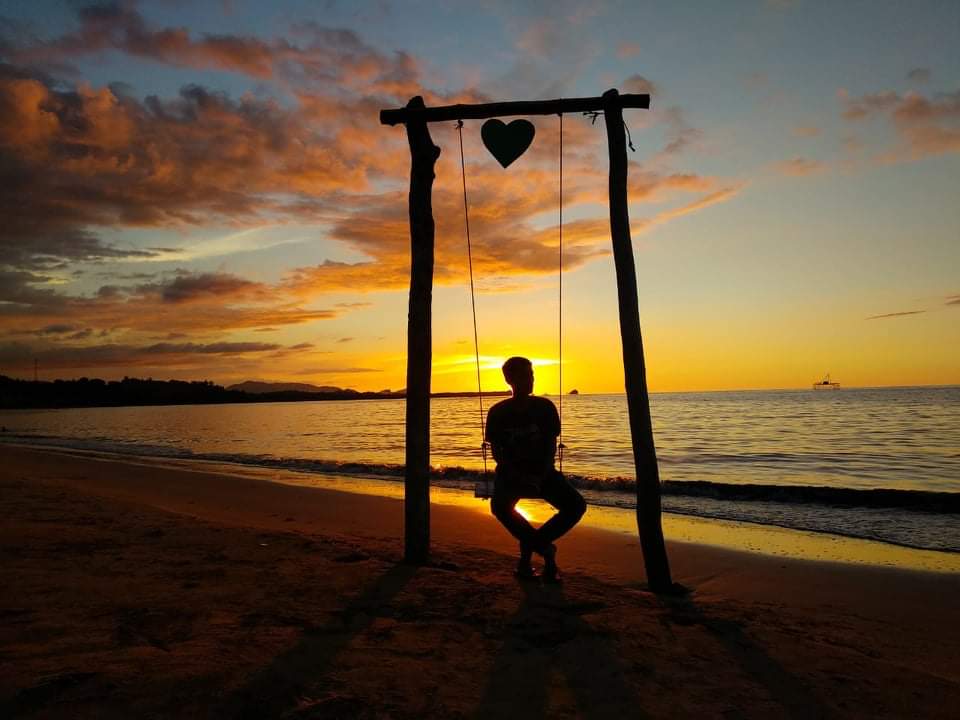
507, 142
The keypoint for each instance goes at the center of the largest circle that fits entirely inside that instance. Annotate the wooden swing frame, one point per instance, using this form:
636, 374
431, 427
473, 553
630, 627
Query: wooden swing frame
423, 156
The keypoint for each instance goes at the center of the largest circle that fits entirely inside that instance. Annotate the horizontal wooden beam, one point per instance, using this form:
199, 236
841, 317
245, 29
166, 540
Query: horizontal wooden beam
504, 109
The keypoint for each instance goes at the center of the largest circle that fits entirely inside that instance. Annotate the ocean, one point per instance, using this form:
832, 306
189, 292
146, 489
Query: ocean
875, 463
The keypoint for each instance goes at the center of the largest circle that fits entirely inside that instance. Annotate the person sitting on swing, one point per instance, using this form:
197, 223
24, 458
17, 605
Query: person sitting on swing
522, 431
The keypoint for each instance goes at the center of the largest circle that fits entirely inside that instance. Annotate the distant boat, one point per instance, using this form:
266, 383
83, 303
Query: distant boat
826, 384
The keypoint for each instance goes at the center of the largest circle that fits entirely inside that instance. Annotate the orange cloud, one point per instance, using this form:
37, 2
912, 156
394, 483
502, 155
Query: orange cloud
94, 159
719, 196
80, 160
925, 125
639, 84
321, 54
187, 304
800, 167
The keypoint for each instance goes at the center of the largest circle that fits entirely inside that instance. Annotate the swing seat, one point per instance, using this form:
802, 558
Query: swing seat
484, 489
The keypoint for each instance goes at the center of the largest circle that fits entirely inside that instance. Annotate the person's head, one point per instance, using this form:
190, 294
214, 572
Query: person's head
518, 372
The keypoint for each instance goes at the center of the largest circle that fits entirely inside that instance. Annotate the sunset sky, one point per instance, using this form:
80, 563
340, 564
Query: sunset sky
204, 191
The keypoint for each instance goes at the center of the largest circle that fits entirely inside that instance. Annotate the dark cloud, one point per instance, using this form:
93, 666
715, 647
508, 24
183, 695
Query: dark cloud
111, 355
186, 288
896, 314
800, 166
353, 305
345, 340
335, 370
190, 303
116, 276
56, 250
57, 329
919, 75
110, 292
320, 54
953, 300
210, 348
19, 287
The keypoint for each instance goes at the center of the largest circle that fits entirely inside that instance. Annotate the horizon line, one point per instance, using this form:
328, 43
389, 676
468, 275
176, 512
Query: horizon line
500, 391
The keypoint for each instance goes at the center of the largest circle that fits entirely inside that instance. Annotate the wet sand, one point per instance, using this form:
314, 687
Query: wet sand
139, 589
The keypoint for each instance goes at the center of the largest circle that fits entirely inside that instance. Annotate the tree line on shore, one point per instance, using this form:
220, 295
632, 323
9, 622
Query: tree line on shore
94, 392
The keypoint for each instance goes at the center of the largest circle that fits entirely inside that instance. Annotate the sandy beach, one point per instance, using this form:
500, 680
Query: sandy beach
141, 589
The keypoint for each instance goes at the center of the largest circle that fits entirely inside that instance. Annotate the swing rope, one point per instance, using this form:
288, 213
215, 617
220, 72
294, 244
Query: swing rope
473, 300
560, 445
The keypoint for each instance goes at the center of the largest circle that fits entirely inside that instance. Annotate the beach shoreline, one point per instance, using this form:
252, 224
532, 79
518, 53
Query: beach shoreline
136, 577
765, 538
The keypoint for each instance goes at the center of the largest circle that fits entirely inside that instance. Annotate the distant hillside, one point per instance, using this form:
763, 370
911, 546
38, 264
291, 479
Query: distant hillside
255, 387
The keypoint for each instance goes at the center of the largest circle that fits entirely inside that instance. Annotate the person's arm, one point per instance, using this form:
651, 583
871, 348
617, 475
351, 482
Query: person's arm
492, 435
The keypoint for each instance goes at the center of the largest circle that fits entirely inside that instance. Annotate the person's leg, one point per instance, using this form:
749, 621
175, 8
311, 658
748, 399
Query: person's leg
570, 507
569, 503
503, 505
504, 508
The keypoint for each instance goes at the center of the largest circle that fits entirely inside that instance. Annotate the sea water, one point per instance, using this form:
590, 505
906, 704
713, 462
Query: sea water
881, 464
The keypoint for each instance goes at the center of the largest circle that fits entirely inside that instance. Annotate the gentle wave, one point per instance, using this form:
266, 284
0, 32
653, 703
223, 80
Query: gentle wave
917, 500
920, 519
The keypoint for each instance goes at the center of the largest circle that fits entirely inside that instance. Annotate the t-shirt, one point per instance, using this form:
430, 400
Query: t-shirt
523, 434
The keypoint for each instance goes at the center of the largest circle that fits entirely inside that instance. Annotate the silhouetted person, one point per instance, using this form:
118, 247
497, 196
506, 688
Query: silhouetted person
523, 431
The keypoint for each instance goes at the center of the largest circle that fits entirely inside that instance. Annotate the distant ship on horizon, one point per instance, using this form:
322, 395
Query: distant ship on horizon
826, 383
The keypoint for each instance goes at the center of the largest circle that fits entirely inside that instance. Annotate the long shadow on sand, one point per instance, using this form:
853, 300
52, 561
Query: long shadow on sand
277, 688
548, 637
787, 690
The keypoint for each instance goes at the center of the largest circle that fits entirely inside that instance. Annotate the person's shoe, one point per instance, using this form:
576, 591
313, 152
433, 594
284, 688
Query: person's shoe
525, 571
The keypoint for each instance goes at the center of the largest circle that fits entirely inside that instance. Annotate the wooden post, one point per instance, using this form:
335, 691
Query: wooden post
634, 371
423, 157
